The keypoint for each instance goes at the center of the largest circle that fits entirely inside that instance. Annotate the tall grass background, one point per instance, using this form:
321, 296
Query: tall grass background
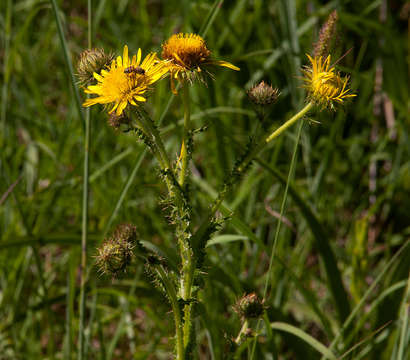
347, 201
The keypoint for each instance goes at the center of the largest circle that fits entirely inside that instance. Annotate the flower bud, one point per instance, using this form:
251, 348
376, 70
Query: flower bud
115, 254
263, 94
249, 306
92, 61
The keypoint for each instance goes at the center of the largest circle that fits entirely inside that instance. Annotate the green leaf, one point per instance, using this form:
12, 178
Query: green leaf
305, 337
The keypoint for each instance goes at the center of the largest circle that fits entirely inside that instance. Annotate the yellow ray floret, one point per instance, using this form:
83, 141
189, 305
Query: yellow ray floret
126, 81
187, 55
324, 85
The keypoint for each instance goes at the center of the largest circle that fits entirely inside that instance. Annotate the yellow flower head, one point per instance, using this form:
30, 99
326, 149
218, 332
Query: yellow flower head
125, 81
187, 56
324, 85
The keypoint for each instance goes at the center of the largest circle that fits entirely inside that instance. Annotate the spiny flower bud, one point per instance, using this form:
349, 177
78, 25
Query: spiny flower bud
249, 306
92, 61
115, 254
263, 94
326, 36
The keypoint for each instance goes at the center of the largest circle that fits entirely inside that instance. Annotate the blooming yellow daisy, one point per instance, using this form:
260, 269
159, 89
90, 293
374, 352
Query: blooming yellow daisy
324, 85
126, 81
187, 56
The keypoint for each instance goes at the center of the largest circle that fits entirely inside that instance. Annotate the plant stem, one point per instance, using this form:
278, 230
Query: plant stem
244, 164
187, 114
282, 207
241, 332
290, 122
175, 308
84, 227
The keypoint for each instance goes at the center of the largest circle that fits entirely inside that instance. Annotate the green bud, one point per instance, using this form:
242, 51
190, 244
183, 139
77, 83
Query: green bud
92, 61
249, 306
263, 94
116, 253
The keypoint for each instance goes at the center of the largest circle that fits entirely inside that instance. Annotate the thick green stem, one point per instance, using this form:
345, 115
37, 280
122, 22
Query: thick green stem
187, 115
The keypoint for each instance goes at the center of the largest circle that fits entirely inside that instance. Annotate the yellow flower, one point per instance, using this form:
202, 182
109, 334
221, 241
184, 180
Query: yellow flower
187, 56
125, 81
324, 85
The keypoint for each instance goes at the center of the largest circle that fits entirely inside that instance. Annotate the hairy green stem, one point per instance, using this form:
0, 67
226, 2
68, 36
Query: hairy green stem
175, 308
187, 115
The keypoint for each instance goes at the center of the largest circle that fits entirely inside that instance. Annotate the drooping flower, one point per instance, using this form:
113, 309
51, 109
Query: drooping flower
325, 86
126, 81
188, 57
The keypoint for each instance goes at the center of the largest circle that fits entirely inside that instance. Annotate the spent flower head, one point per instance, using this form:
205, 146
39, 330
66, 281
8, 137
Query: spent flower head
92, 61
325, 86
249, 306
263, 94
126, 81
115, 254
187, 57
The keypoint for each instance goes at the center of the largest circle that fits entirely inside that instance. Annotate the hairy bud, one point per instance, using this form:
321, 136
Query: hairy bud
263, 94
92, 61
115, 254
327, 36
249, 306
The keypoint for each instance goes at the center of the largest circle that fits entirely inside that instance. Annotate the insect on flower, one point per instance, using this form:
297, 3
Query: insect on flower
126, 81
134, 70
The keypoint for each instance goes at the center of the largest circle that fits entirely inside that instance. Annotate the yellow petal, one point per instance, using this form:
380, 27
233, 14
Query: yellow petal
225, 64
121, 107
119, 61
125, 59
138, 57
140, 98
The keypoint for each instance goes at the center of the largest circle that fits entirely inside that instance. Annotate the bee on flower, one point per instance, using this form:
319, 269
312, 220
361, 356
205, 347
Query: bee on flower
187, 57
325, 86
126, 81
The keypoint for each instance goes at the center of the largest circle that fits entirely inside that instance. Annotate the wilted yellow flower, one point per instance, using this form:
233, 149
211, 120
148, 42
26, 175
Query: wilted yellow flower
187, 56
324, 85
126, 81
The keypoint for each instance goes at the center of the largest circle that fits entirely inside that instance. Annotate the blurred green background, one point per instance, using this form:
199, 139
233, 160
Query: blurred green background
353, 170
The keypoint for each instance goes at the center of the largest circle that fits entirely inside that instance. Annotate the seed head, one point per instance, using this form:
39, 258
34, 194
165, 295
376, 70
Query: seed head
327, 36
249, 306
115, 254
92, 61
263, 94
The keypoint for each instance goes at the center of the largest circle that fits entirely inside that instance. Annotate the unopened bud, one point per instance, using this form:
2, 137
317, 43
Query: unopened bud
92, 61
327, 36
249, 306
263, 94
115, 254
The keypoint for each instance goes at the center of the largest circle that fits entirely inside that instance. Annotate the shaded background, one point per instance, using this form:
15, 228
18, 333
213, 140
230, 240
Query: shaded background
353, 169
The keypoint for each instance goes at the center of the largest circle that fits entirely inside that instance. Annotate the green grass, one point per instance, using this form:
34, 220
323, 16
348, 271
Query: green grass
347, 200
